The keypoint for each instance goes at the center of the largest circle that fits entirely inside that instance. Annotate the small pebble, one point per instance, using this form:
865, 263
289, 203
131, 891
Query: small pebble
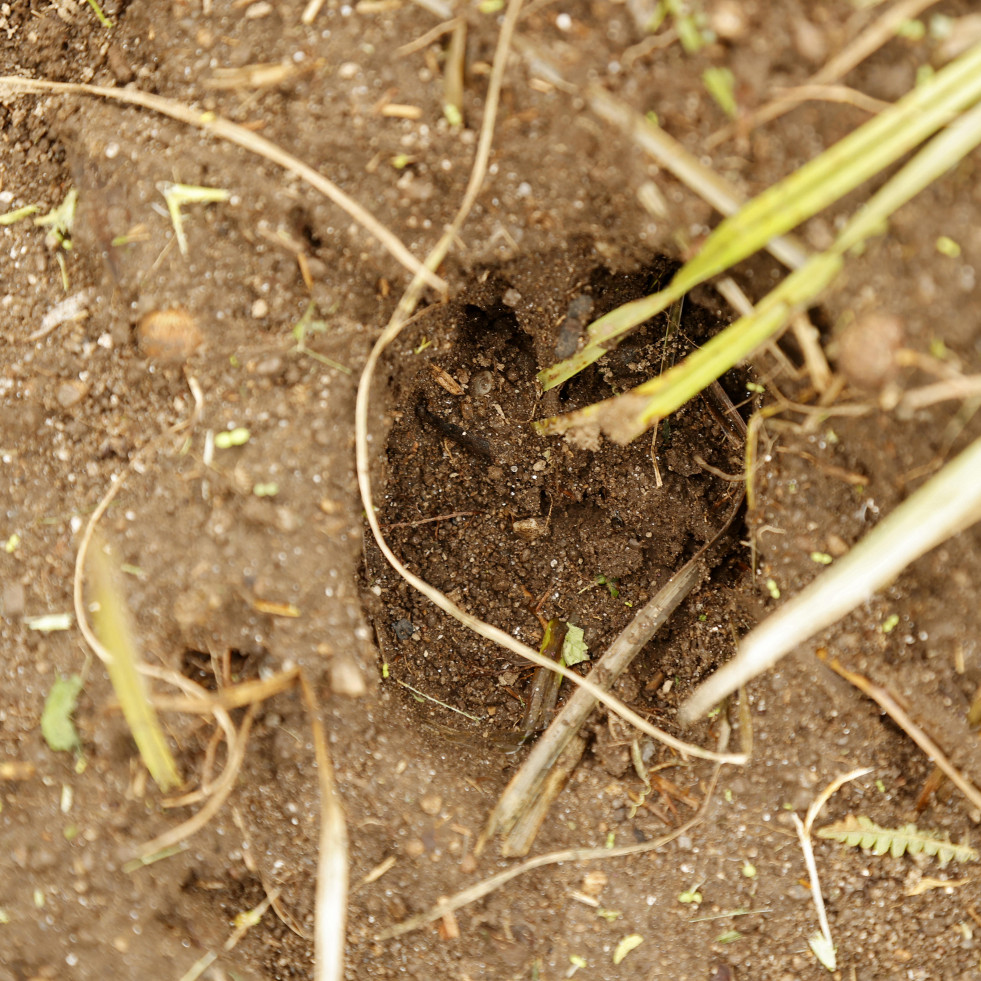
431, 804
169, 335
260, 309
528, 529
70, 393
14, 600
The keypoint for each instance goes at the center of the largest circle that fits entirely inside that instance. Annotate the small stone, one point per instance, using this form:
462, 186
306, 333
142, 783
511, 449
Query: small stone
259, 10
13, 600
431, 804
867, 350
528, 529
260, 309
538, 466
345, 677
70, 393
169, 335
414, 848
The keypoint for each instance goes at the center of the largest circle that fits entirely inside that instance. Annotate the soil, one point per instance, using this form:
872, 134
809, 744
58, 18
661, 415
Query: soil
246, 560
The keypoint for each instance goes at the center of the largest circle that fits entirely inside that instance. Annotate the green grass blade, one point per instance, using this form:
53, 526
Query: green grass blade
840, 169
112, 626
626, 416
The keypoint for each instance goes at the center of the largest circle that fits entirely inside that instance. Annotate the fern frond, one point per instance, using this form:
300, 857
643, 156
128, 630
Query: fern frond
861, 832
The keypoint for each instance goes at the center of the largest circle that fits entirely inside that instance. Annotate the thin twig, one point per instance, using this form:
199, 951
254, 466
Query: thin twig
869, 41
888, 704
227, 130
522, 788
552, 858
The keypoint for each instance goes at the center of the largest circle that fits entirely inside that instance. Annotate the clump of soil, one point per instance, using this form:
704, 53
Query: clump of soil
518, 529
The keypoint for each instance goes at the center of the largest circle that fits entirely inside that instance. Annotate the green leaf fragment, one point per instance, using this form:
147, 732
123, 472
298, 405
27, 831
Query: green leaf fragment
57, 725
721, 84
627, 944
574, 650
862, 832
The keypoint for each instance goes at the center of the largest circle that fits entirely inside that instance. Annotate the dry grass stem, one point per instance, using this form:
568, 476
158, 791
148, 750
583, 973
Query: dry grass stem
878, 33
888, 704
495, 882
239, 135
522, 790
702, 180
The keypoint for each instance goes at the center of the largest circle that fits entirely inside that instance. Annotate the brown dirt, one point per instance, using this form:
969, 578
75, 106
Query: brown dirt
558, 218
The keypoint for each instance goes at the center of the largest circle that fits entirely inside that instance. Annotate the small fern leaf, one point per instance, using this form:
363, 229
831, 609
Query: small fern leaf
861, 832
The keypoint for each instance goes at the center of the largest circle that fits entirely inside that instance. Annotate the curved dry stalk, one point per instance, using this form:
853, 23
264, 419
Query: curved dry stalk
888, 704
240, 136
495, 882
222, 787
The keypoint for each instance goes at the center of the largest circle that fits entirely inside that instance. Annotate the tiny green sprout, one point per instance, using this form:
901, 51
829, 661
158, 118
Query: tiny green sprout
177, 195
577, 962
787, 806
728, 937
880, 786
232, 437
651, 117
59, 220
103, 20
772, 588
234, 361
690, 896
703, 618
756, 388
749, 870
384, 670
268, 489
923, 75
890, 623
452, 114
49, 622
938, 349
791, 486
4, 916
714, 713
948, 247
12, 543
401, 160
490, 6
39, 898
720, 84
727, 795
611, 839
133, 570
71, 832
13, 216
610, 915
822, 558
831, 437
611, 585
423, 344
911, 30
